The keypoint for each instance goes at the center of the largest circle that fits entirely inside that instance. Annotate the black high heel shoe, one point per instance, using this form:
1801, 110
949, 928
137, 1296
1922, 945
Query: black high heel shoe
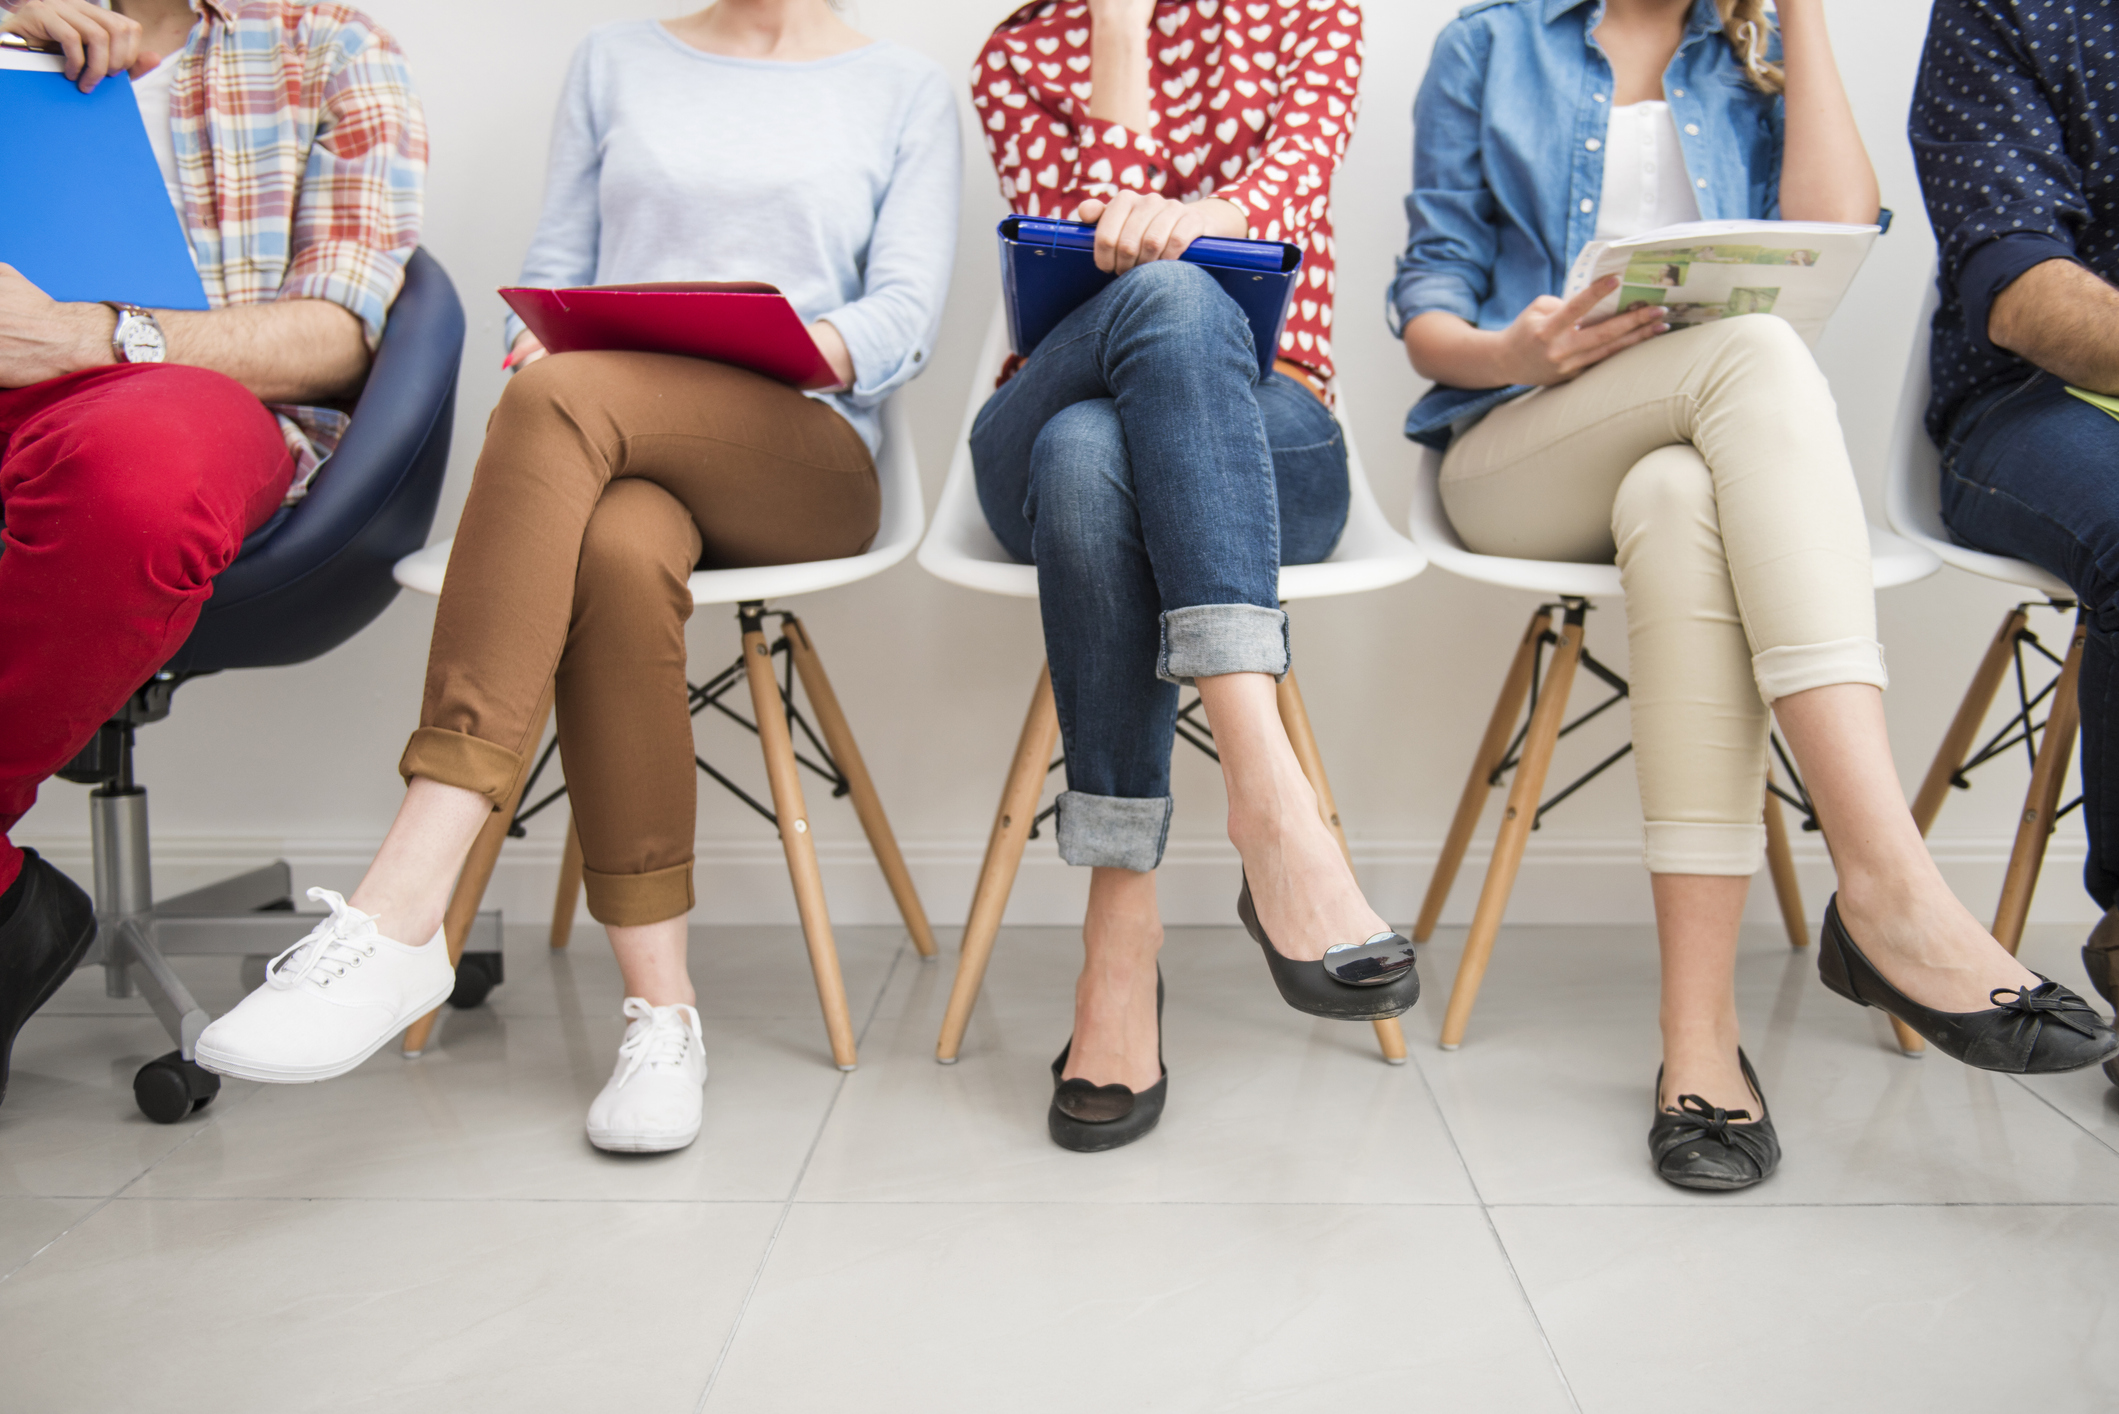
1092, 1118
2037, 1031
1365, 981
1696, 1146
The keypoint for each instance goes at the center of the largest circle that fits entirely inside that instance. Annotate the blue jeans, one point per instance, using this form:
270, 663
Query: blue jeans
1158, 484
2032, 471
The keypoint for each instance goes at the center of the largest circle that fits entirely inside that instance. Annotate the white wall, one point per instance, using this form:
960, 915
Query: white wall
299, 761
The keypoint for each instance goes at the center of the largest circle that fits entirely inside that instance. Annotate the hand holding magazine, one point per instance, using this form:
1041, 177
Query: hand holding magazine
1707, 270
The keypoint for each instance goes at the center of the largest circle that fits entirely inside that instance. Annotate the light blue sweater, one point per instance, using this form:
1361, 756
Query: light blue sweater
835, 180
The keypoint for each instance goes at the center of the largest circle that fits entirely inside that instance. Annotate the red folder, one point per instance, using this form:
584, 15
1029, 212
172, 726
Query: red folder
745, 323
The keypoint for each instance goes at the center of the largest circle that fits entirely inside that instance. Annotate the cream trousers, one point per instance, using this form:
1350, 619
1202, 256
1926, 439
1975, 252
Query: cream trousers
1709, 463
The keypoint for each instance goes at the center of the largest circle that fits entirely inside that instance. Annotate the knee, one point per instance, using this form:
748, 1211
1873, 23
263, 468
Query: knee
1669, 488
1757, 344
1079, 474
541, 390
1175, 295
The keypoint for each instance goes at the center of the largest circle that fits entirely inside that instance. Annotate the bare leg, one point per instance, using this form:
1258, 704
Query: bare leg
1891, 896
651, 956
1696, 921
407, 885
1116, 1040
1305, 894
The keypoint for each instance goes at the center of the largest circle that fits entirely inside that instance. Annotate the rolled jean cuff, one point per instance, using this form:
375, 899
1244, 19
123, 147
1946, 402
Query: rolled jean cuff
1681, 847
1207, 640
466, 762
1783, 672
1113, 831
635, 900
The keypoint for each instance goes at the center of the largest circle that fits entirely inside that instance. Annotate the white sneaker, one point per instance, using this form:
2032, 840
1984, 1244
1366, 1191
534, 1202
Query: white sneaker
655, 1098
329, 1002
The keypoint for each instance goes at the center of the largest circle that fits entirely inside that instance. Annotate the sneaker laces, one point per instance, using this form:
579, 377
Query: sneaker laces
333, 947
663, 1041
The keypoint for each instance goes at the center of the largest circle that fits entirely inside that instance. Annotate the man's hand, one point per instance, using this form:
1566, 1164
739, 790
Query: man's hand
41, 338
96, 42
1134, 228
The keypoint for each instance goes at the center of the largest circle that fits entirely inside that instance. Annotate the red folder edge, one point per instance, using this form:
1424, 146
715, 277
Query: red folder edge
750, 325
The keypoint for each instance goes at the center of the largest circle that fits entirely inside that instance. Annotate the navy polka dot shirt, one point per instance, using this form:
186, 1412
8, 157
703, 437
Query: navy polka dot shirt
2013, 133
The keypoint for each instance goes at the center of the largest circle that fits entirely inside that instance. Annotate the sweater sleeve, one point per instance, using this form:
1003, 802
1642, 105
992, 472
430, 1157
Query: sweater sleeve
890, 330
1050, 155
1287, 188
563, 252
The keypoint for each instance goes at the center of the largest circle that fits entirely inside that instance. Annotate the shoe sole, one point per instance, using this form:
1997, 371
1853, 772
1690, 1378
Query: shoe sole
221, 1064
642, 1143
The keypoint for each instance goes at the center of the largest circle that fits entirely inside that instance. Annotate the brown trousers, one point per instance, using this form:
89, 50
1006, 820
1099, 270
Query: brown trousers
605, 480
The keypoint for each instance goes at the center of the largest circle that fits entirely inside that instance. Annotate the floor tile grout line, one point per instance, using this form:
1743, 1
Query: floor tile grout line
2042, 1099
787, 1205
1508, 1258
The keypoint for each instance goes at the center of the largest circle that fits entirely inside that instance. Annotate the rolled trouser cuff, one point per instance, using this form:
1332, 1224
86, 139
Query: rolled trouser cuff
1113, 831
635, 900
1681, 847
1207, 640
1783, 672
467, 762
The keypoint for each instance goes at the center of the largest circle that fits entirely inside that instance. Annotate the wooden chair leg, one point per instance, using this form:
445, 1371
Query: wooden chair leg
1004, 855
569, 892
1516, 820
1390, 1036
1964, 727
2056, 751
1780, 862
1499, 728
795, 837
866, 804
476, 874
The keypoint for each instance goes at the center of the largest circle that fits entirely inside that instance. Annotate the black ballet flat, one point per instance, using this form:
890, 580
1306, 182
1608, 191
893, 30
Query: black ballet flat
1366, 981
2040, 1031
1697, 1145
1092, 1118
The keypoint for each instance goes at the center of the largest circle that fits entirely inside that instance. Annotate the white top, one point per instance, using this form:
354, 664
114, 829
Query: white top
1645, 186
151, 91
836, 180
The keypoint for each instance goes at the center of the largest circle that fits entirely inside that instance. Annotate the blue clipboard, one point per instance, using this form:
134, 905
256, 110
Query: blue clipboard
1048, 270
83, 212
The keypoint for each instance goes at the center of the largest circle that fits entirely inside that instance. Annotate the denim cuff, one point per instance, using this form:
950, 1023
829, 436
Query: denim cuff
1783, 672
1113, 831
1685, 847
1207, 640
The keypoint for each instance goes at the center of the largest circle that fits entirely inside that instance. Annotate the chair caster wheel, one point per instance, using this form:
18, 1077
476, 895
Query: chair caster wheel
477, 974
169, 1087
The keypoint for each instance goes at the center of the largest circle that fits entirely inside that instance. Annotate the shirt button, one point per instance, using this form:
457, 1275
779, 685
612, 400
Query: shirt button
1701, 182
1588, 205
1677, 93
1593, 144
1692, 130
1598, 97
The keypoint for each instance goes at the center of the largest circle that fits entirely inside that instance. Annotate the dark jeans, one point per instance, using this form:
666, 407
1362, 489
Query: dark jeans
2032, 471
1158, 484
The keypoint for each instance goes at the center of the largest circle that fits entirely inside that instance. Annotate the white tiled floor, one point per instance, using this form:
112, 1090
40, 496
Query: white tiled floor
1308, 1230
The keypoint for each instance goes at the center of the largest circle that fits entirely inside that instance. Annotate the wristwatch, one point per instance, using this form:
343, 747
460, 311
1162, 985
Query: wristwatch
138, 337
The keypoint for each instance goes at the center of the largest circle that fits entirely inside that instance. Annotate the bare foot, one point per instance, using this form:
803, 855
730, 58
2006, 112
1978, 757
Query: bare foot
1928, 946
1306, 896
1117, 1040
1706, 1066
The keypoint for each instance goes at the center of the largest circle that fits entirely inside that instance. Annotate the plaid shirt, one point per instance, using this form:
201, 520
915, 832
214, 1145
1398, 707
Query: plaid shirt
301, 154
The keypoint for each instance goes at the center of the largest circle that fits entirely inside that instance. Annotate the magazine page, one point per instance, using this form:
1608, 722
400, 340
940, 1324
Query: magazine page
1708, 270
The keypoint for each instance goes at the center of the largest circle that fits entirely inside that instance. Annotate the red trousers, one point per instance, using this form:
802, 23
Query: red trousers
123, 492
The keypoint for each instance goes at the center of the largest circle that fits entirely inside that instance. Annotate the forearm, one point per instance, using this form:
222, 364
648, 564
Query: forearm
1825, 171
290, 351
1118, 64
2064, 319
1448, 350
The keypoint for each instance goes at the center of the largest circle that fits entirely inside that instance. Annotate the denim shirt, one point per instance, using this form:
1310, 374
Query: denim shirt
1508, 164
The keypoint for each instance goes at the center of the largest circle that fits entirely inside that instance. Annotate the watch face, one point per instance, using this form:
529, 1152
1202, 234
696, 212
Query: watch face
141, 340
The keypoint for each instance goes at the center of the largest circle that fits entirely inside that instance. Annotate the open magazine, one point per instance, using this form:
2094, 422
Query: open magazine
1708, 270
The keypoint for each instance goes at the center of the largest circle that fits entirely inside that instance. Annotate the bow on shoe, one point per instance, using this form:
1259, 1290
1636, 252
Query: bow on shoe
332, 948
2047, 999
1710, 1121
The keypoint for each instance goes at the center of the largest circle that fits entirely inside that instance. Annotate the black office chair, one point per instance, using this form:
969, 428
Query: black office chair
305, 582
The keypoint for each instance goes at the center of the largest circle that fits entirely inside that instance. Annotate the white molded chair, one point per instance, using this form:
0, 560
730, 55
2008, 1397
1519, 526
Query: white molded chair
1575, 587
962, 549
775, 717
1913, 502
